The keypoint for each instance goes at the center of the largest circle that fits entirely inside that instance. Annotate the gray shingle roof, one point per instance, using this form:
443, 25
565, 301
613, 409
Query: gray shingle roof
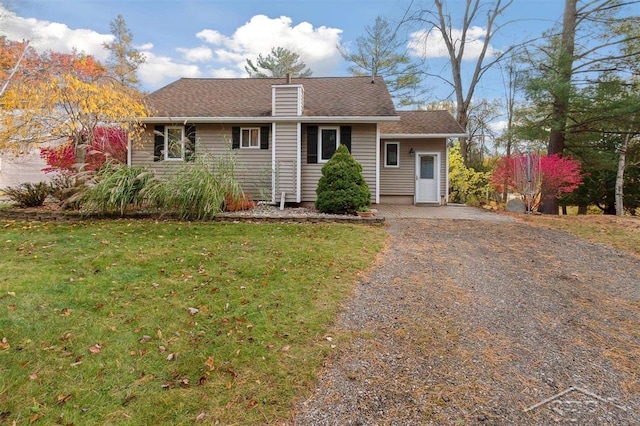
423, 122
251, 97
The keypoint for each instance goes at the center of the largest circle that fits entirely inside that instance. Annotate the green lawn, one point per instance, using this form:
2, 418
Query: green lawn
140, 322
620, 232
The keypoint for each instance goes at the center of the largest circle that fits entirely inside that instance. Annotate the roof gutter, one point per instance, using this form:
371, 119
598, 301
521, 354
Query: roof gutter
422, 135
272, 119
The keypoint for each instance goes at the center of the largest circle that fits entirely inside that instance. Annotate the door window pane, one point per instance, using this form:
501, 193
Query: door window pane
427, 167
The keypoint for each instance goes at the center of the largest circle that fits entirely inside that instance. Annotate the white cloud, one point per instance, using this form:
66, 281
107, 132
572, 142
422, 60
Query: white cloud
158, 69
210, 36
52, 35
222, 56
316, 46
227, 73
429, 44
498, 126
197, 54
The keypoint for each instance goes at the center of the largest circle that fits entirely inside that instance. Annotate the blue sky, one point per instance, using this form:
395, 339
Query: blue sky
198, 38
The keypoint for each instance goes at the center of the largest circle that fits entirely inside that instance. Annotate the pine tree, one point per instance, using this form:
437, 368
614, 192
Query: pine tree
125, 59
278, 63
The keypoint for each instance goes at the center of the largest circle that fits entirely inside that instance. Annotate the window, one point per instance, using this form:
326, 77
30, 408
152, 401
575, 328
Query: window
392, 154
328, 143
173, 143
250, 138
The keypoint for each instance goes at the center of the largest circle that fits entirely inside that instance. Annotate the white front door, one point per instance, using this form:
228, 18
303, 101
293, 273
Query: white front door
427, 178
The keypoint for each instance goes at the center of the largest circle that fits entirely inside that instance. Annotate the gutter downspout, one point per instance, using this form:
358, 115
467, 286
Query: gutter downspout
377, 194
273, 163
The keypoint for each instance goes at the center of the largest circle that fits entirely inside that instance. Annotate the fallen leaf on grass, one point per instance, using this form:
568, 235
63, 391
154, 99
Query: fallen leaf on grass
286, 348
95, 348
11, 293
144, 339
172, 356
34, 418
4, 344
210, 363
159, 334
201, 417
65, 312
12, 307
193, 311
33, 376
63, 399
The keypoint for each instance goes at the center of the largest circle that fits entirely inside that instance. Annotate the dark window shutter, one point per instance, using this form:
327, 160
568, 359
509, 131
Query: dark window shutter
264, 137
235, 137
312, 144
158, 143
345, 136
190, 144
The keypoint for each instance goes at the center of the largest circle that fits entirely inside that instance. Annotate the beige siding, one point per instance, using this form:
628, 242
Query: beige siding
253, 166
286, 101
286, 160
401, 180
363, 148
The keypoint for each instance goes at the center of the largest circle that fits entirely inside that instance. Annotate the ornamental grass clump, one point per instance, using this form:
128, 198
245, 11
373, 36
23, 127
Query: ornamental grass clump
113, 189
29, 194
199, 190
342, 188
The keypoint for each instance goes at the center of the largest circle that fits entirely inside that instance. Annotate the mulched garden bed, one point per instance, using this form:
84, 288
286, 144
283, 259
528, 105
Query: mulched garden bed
261, 213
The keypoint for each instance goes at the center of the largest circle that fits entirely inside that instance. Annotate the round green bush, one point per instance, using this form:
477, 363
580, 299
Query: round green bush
342, 188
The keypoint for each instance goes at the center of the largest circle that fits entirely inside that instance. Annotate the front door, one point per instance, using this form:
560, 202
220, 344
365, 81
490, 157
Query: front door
427, 178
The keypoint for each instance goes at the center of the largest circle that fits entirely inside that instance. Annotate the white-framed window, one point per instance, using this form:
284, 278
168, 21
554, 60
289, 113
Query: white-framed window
392, 154
250, 137
174, 143
328, 142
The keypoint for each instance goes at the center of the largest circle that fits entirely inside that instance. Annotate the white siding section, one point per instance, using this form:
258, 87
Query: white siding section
363, 149
253, 166
287, 101
286, 159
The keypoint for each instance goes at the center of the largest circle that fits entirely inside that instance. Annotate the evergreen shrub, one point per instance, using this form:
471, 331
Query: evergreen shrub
342, 188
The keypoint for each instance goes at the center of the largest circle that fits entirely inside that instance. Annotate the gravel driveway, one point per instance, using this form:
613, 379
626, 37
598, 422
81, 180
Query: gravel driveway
479, 322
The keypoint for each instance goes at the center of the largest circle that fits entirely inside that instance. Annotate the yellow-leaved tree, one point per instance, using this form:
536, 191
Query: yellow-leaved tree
66, 96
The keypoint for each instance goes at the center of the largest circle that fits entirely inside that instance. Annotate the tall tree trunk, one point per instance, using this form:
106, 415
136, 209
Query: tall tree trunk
622, 160
14, 69
561, 97
463, 120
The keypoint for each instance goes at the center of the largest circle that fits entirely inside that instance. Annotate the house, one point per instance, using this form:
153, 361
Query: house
282, 131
